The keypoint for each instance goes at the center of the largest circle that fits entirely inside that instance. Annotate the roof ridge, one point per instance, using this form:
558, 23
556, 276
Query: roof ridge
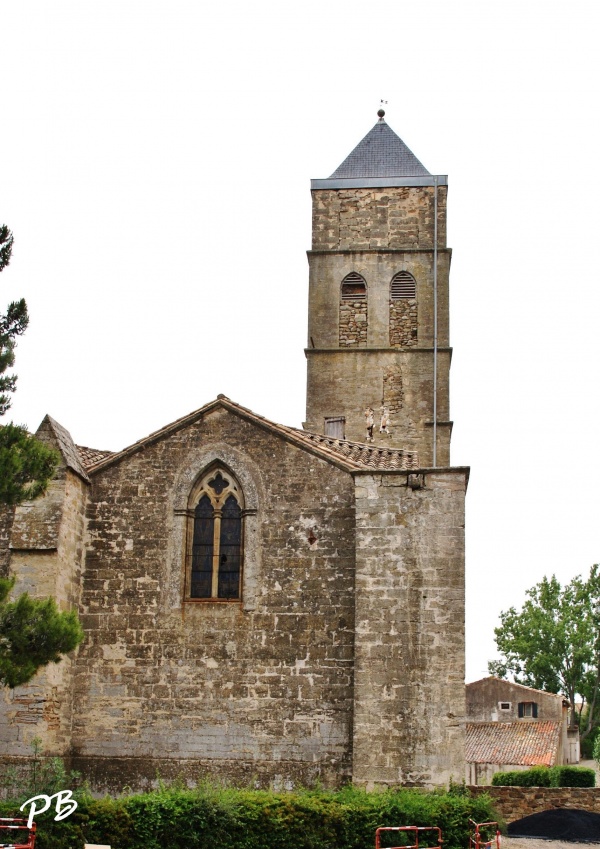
348, 454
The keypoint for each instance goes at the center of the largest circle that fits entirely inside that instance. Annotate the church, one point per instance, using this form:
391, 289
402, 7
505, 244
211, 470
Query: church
263, 604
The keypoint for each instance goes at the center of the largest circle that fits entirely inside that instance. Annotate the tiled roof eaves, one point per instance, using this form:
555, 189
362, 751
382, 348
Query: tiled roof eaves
90, 456
521, 743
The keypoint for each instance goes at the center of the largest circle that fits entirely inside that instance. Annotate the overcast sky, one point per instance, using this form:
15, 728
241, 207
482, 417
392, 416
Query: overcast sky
156, 160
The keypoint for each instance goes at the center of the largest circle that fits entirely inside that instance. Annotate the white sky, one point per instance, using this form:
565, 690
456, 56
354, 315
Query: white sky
156, 160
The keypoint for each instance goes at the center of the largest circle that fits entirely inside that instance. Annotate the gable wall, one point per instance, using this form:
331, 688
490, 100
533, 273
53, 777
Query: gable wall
263, 690
484, 697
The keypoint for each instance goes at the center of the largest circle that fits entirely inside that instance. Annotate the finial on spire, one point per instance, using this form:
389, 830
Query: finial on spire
381, 110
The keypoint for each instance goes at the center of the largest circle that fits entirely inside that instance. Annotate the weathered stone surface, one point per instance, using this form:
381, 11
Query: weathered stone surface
378, 233
409, 644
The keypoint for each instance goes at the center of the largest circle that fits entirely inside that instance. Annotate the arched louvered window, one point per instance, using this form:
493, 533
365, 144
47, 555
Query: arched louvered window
403, 311
353, 311
216, 534
354, 287
403, 286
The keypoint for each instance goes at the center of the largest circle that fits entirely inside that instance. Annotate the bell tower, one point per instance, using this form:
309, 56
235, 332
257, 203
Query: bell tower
378, 355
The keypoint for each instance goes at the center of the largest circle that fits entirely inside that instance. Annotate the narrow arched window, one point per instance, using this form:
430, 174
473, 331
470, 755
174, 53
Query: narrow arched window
216, 538
403, 286
403, 310
353, 311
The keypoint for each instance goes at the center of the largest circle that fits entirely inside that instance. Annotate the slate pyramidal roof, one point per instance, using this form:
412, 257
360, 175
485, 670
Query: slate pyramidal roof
380, 159
350, 456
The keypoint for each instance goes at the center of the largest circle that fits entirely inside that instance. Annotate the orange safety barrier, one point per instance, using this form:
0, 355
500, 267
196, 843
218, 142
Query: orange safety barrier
8, 823
476, 839
415, 829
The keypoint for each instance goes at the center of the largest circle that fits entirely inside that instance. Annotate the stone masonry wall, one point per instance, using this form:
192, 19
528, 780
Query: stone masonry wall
393, 391
43, 707
403, 323
353, 324
259, 689
346, 382
358, 219
514, 803
409, 647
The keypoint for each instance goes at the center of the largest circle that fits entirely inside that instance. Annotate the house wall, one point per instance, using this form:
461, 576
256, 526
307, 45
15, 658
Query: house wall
484, 697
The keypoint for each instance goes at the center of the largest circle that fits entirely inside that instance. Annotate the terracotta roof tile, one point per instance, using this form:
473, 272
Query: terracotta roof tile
523, 743
90, 456
360, 454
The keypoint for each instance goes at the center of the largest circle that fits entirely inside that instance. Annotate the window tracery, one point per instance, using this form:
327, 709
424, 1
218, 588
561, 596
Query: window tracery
215, 538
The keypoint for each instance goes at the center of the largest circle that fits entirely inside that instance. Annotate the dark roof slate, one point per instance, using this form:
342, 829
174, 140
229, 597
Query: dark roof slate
381, 154
522, 743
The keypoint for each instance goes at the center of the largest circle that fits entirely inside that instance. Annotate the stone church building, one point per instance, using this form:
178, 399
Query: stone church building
261, 603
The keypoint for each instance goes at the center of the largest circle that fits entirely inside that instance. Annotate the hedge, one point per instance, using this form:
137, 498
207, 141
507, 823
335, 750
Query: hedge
210, 817
543, 776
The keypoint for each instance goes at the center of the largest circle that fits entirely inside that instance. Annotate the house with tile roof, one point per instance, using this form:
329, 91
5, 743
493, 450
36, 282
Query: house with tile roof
264, 603
513, 727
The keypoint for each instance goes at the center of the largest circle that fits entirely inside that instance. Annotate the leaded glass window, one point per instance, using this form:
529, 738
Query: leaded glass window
216, 538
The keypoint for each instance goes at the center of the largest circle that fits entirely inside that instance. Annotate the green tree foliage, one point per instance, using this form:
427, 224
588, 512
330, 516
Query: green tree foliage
553, 642
6, 244
33, 632
26, 465
12, 324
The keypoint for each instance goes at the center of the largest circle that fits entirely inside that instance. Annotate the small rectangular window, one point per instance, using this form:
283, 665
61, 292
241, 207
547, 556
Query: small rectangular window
528, 710
504, 705
335, 427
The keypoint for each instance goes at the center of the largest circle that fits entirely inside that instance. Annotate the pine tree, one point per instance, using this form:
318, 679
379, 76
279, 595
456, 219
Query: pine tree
33, 632
12, 324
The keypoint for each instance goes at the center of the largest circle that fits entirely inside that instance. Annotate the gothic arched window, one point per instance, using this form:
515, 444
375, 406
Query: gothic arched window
403, 310
215, 540
353, 311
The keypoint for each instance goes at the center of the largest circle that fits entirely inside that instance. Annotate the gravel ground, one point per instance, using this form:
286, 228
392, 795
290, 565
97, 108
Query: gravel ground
536, 843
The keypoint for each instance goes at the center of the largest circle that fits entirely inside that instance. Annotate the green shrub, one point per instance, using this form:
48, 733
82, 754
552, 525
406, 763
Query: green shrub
247, 819
542, 776
537, 776
572, 776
